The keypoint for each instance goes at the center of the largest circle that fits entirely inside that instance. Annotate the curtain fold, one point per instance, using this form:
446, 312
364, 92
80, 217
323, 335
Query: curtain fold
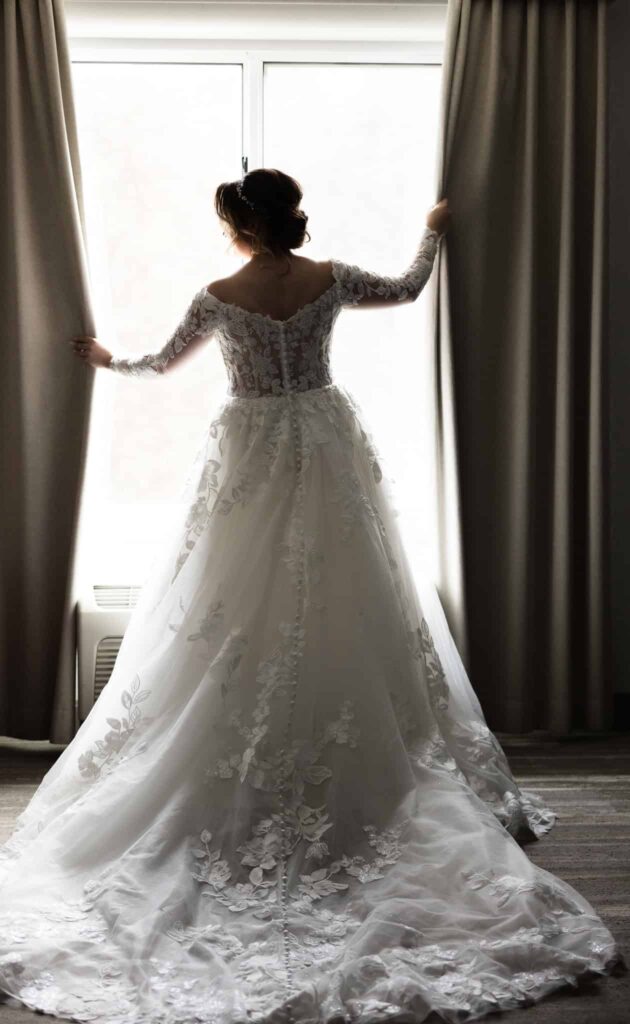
520, 380
45, 391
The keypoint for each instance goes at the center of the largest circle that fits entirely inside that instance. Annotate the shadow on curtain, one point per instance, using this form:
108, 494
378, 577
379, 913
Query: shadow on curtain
520, 361
45, 390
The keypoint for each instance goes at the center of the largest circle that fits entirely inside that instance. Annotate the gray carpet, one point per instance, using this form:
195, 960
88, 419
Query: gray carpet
586, 780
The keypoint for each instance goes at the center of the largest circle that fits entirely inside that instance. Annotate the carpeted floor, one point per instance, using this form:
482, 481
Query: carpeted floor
587, 782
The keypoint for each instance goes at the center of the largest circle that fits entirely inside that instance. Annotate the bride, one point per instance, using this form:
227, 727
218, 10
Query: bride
286, 805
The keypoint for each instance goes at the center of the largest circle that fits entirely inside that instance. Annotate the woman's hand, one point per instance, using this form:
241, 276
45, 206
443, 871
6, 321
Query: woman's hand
91, 351
439, 217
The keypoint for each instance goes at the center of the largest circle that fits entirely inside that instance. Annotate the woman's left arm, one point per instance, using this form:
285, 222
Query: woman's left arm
196, 327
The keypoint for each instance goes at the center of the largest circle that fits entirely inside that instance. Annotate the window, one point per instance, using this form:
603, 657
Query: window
159, 129
153, 144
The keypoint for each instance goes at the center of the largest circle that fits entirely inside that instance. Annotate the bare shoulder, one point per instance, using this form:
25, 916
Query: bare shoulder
226, 288
322, 264
306, 261
219, 288
323, 269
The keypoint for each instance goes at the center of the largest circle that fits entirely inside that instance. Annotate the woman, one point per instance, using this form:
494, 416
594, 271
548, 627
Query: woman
286, 805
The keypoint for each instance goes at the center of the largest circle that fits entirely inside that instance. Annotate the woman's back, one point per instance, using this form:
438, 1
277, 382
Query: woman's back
273, 288
274, 330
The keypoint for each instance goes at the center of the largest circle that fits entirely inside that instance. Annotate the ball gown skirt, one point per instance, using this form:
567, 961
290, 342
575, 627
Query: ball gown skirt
286, 805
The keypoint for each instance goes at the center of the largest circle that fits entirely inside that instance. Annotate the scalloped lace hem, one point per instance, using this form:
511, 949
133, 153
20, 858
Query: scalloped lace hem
458, 983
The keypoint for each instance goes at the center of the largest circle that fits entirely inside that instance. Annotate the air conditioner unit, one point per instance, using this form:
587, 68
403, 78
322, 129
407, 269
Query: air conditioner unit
103, 613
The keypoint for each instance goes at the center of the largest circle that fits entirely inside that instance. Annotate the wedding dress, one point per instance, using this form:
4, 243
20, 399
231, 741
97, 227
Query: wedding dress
286, 805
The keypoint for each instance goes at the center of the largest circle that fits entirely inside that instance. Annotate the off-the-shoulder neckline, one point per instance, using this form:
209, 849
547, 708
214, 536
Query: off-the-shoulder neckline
271, 319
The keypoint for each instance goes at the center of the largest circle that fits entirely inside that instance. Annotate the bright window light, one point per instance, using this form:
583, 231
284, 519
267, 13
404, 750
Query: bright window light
155, 140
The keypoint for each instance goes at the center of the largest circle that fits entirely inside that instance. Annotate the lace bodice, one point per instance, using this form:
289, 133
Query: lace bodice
264, 356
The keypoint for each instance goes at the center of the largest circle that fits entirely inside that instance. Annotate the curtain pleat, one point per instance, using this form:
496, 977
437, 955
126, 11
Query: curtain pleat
45, 391
520, 359
599, 633
450, 581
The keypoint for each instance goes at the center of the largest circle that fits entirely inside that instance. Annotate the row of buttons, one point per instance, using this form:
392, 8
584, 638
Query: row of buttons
299, 494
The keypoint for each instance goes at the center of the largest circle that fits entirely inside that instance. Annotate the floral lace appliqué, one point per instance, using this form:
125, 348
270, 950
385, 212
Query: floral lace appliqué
99, 759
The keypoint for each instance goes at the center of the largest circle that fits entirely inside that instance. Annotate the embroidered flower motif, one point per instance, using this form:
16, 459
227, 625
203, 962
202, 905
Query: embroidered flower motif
98, 760
209, 625
422, 646
503, 887
320, 883
215, 873
296, 823
199, 512
353, 504
214, 935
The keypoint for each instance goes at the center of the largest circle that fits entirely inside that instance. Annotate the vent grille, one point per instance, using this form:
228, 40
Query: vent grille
116, 597
106, 654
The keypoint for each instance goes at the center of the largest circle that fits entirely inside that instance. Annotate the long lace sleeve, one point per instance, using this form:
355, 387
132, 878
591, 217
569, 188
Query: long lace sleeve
199, 321
356, 286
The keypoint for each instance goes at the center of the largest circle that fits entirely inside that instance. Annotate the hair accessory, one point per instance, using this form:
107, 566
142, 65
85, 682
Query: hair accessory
241, 194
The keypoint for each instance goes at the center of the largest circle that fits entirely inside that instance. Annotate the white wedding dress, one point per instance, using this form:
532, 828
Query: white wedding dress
286, 805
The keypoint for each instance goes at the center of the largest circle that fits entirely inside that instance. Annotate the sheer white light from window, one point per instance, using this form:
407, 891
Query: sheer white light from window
361, 139
155, 140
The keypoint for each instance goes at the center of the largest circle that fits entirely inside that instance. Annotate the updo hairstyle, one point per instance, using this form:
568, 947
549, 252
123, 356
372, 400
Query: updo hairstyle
263, 211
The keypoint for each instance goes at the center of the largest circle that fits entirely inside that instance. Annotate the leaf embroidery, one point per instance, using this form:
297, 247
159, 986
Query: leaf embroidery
98, 760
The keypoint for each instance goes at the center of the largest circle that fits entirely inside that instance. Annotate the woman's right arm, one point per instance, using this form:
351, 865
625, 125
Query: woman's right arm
195, 328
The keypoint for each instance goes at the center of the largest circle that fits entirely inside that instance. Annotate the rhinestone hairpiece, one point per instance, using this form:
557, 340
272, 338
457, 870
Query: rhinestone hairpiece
241, 195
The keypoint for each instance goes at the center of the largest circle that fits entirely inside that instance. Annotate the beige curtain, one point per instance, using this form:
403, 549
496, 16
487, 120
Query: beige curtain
520, 359
45, 391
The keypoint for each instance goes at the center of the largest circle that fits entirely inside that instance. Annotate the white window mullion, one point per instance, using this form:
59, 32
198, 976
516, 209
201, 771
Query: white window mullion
253, 110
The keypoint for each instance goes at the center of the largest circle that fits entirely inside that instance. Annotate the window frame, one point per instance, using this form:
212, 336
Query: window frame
252, 61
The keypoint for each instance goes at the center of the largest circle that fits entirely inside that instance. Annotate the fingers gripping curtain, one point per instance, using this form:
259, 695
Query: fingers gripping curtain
520, 359
45, 391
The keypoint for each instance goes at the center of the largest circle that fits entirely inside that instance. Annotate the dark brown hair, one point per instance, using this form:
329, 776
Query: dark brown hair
265, 214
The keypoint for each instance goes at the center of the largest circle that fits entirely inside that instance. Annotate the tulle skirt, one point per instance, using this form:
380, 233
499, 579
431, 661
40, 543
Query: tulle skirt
286, 805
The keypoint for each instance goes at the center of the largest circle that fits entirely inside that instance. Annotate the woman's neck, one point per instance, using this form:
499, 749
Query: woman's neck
264, 261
